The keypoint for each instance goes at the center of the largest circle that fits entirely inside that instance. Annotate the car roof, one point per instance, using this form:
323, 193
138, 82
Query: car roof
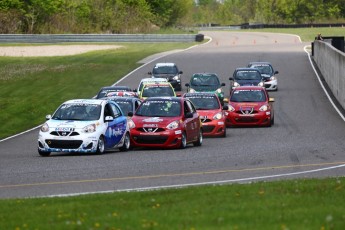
260, 63
246, 69
249, 88
85, 101
165, 84
164, 64
116, 98
154, 79
164, 98
201, 94
205, 74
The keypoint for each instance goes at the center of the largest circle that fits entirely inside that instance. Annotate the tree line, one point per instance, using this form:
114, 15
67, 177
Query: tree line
145, 16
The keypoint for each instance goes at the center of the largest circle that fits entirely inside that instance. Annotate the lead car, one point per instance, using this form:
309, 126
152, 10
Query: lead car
86, 126
166, 122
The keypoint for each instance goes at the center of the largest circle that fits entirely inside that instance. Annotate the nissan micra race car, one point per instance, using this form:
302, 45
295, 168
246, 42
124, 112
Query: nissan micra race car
84, 125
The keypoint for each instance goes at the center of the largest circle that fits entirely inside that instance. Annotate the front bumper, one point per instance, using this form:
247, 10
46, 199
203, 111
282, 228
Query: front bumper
50, 143
258, 119
164, 139
213, 127
271, 85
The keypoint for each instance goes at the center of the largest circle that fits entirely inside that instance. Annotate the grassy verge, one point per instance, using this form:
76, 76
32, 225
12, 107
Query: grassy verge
32, 87
296, 204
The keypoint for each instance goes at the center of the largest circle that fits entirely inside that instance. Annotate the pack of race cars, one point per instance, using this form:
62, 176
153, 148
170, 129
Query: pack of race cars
155, 115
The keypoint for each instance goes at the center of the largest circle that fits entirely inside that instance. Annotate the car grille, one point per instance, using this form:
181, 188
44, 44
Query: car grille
64, 134
64, 144
150, 139
151, 130
208, 128
247, 119
203, 120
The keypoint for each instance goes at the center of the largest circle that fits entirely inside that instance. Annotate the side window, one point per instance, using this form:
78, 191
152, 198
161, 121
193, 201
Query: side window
116, 110
191, 107
108, 111
137, 103
186, 108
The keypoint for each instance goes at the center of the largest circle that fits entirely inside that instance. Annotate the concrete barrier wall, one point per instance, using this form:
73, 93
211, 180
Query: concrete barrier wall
331, 63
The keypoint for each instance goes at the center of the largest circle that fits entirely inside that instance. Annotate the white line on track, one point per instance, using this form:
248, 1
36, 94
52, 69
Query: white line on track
203, 183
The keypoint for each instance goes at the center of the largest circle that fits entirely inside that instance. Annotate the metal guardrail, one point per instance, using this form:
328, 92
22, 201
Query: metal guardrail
55, 38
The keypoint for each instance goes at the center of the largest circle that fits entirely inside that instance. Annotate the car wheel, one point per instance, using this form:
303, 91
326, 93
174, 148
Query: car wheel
183, 141
224, 134
100, 145
272, 121
199, 140
126, 143
43, 154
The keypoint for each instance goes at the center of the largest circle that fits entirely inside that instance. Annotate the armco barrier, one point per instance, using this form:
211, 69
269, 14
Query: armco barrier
55, 38
331, 63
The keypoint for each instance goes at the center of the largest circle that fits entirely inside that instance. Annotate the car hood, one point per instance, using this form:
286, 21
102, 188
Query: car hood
61, 124
165, 75
248, 82
244, 105
208, 113
206, 88
140, 121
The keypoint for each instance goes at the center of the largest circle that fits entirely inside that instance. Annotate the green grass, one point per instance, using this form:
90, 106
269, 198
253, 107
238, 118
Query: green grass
306, 34
32, 87
295, 204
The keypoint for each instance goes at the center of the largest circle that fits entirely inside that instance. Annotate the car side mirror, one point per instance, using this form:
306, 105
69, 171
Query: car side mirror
108, 118
223, 84
188, 115
130, 114
231, 78
271, 99
48, 117
149, 73
187, 84
225, 107
181, 72
178, 94
276, 72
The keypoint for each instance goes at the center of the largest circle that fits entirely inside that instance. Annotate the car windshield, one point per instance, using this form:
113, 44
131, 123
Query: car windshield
80, 112
204, 102
205, 80
248, 96
159, 108
248, 75
126, 106
165, 70
158, 91
264, 69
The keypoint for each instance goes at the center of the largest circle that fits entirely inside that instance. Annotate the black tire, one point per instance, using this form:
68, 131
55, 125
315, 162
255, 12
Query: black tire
43, 154
183, 141
100, 145
126, 143
224, 134
199, 140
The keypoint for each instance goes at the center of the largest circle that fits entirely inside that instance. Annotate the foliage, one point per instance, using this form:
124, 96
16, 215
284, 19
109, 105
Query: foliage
144, 16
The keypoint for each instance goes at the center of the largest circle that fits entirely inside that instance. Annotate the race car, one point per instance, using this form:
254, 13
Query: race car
246, 76
166, 122
206, 82
84, 125
127, 104
169, 71
268, 73
105, 91
212, 113
250, 106
157, 89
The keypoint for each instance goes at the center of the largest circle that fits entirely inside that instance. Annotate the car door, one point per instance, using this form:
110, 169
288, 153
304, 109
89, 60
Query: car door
191, 123
118, 125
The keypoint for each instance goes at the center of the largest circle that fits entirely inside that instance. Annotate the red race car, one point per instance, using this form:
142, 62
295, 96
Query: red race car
212, 114
166, 122
250, 106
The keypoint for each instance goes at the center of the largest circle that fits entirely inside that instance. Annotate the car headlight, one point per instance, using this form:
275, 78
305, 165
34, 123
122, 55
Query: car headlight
218, 116
261, 84
236, 84
263, 108
173, 125
231, 108
131, 124
176, 77
89, 128
191, 90
273, 78
45, 127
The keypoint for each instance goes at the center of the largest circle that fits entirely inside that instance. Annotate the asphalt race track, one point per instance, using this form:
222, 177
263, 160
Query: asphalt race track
307, 139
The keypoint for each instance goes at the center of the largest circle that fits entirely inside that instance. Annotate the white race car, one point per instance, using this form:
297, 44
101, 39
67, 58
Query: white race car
84, 125
268, 74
